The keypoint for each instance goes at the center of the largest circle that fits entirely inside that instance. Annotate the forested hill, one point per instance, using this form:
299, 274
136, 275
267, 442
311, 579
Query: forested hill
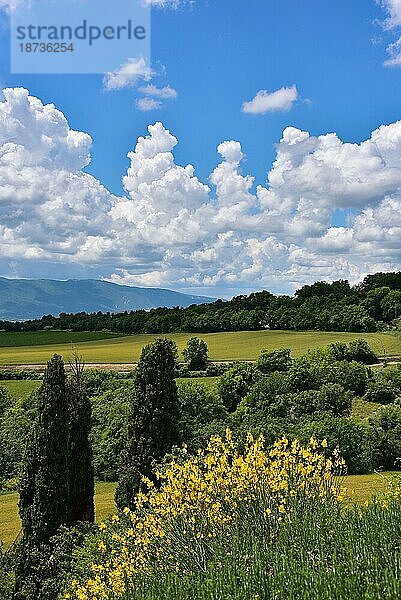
30, 299
372, 305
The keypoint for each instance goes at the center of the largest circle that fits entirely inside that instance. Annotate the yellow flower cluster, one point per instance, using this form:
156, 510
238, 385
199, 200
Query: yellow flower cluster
202, 499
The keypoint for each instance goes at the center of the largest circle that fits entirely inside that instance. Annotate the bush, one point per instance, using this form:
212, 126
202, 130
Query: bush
235, 384
331, 397
386, 423
199, 406
352, 376
267, 395
354, 440
7, 577
15, 426
381, 392
278, 360
109, 428
5, 401
360, 351
202, 502
11, 374
196, 354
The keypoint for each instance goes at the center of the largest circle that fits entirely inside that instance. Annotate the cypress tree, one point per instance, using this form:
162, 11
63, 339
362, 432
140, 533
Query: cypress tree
81, 474
43, 504
58, 484
153, 419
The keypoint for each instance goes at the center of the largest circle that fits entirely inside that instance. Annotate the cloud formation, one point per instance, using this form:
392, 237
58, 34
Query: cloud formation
174, 230
264, 102
129, 74
156, 92
147, 104
392, 9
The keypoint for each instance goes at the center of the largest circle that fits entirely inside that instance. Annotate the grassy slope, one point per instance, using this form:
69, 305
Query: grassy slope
222, 346
362, 410
44, 338
365, 486
20, 390
9, 520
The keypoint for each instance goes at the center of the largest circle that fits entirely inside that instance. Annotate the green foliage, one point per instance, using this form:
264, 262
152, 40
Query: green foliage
391, 306
322, 553
354, 440
153, 419
81, 484
44, 486
381, 391
235, 383
267, 395
357, 350
196, 354
386, 424
51, 562
5, 401
360, 351
110, 412
351, 376
19, 374
15, 426
45, 483
199, 407
278, 360
57, 483
7, 576
322, 306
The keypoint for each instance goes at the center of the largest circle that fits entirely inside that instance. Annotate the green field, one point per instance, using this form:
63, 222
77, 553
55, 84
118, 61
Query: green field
244, 345
44, 338
20, 389
365, 486
209, 382
10, 524
362, 410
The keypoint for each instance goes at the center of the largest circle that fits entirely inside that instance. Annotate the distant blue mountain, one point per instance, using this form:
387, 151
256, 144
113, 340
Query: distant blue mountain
31, 299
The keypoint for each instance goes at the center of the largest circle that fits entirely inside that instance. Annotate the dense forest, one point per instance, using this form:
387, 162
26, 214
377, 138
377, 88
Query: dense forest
374, 304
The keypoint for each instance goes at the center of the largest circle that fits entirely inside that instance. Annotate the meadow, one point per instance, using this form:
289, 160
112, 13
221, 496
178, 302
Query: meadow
243, 345
10, 524
364, 486
45, 338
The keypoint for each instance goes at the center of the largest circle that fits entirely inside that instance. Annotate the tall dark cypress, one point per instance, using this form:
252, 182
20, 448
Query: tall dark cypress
153, 420
44, 489
81, 480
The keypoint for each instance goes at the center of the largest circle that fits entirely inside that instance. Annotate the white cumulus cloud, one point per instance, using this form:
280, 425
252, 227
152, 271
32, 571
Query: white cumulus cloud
264, 102
147, 104
172, 229
129, 74
166, 92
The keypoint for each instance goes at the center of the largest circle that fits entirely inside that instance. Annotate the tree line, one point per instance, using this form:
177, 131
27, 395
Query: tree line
373, 305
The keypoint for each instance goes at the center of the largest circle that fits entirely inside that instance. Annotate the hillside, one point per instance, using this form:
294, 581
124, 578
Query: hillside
30, 299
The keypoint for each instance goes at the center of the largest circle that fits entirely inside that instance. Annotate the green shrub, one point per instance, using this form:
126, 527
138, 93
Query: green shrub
278, 360
196, 354
235, 384
199, 406
386, 424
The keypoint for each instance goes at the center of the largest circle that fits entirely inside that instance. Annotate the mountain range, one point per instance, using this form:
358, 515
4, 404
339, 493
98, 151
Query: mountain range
30, 299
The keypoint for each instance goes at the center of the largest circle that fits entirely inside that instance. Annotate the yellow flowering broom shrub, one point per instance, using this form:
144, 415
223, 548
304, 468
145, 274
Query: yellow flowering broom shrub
205, 498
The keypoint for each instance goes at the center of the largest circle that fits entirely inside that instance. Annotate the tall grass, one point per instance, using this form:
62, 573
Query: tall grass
325, 554
257, 525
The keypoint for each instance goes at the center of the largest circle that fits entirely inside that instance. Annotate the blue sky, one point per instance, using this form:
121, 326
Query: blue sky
218, 55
